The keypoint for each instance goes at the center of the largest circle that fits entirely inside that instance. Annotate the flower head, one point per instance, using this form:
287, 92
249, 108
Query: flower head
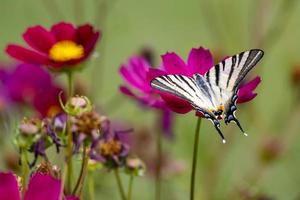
135, 74
61, 47
25, 84
112, 148
199, 61
86, 127
36, 136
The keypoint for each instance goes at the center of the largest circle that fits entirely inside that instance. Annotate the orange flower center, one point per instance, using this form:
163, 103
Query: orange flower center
66, 50
111, 147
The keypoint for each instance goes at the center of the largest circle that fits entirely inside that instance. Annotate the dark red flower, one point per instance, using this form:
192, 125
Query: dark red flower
199, 61
60, 47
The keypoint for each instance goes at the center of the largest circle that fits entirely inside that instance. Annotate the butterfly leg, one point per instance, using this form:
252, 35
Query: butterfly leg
216, 124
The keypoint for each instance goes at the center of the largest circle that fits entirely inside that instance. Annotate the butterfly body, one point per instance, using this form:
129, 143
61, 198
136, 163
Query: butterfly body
214, 94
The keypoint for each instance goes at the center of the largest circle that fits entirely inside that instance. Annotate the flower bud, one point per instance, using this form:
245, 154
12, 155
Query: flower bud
29, 127
77, 105
136, 166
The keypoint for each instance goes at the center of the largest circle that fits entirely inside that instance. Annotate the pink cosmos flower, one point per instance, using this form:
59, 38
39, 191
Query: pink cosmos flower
30, 85
40, 187
61, 47
199, 61
135, 74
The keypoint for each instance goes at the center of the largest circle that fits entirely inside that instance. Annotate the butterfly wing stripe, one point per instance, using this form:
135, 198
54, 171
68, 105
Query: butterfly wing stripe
162, 84
251, 60
178, 87
234, 59
217, 73
202, 85
191, 85
183, 87
230, 72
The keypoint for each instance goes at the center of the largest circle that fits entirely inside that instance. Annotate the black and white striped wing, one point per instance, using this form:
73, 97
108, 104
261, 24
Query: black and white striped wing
185, 88
229, 73
225, 78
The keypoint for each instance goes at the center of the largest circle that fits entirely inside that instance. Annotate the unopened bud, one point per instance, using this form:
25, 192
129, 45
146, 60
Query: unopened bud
135, 165
30, 127
77, 105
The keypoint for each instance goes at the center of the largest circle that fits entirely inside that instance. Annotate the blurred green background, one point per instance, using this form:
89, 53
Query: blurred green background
226, 27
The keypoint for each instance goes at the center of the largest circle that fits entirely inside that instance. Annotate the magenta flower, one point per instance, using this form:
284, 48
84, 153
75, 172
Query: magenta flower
61, 47
199, 61
135, 73
30, 85
40, 187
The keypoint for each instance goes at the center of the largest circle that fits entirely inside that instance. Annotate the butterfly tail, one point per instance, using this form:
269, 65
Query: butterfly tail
217, 127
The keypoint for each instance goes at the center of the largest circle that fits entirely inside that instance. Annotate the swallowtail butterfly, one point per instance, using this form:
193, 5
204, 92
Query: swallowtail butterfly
214, 94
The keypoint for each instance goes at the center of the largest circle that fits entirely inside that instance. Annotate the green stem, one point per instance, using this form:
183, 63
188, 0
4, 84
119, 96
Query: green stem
25, 169
91, 186
195, 154
70, 137
158, 166
120, 186
83, 172
130, 187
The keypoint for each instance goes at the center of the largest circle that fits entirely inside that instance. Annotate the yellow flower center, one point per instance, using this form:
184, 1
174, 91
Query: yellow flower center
111, 147
66, 50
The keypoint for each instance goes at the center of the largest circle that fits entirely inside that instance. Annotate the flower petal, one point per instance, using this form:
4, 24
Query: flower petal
139, 67
246, 93
199, 61
43, 187
25, 55
133, 79
39, 38
173, 64
143, 100
153, 73
63, 31
86, 36
175, 104
9, 189
125, 90
72, 198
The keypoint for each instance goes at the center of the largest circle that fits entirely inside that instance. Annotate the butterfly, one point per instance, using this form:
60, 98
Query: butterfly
213, 94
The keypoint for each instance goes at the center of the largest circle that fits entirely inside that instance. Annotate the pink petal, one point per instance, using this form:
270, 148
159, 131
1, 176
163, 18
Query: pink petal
72, 198
199, 61
133, 79
176, 104
43, 187
145, 100
125, 90
153, 73
9, 189
25, 55
39, 38
139, 66
245, 92
173, 64
63, 31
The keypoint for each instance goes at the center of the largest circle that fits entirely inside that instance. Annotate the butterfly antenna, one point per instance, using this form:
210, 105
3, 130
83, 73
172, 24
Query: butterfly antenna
217, 126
